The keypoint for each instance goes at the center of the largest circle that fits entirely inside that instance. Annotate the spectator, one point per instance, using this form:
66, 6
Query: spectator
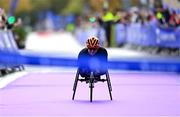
107, 23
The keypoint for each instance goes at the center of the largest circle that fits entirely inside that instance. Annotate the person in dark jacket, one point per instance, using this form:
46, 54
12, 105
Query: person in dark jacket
93, 58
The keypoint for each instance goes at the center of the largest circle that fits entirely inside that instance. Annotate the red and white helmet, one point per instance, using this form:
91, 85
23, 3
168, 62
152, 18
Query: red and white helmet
92, 42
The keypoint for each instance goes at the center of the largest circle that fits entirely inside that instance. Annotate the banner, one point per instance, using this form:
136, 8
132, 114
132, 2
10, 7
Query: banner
148, 35
141, 35
120, 33
168, 37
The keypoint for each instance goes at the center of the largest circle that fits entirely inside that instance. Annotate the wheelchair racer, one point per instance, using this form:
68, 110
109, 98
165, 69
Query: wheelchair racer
92, 58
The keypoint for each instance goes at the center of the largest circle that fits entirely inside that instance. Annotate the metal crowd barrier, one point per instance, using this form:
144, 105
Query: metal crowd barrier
137, 34
2, 48
8, 44
148, 35
10, 57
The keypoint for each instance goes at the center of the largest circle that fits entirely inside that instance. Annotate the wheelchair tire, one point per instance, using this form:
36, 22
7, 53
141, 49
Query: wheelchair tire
91, 92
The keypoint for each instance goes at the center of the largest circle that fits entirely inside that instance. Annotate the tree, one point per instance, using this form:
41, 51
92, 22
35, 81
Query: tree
5, 4
23, 5
74, 7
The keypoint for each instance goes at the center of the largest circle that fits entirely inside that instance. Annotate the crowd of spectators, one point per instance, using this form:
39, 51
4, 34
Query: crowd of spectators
162, 16
103, 23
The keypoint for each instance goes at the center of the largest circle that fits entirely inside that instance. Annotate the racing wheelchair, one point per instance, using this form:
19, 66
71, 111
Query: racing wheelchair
91, 80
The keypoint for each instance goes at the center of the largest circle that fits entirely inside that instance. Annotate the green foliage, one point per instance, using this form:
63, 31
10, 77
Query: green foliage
20, 35
20, 31
40, 4
54, 5
58, 5
74, 7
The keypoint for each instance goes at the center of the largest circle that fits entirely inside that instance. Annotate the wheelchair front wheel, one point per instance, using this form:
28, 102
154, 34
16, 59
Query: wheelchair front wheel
91, 86
91, 94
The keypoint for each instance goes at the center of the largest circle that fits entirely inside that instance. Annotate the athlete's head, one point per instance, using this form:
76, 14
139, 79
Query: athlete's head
92, 45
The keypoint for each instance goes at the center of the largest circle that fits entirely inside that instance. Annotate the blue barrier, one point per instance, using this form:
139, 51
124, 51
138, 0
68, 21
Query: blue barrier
148, 35
2, 48
8, 44
134, 63
120, 33
168, 37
